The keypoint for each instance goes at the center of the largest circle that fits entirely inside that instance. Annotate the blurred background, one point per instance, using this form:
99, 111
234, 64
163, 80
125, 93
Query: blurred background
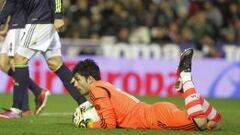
137, 44
212, 27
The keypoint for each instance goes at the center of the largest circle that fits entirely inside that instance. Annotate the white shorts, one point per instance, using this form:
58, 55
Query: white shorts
41, 38
11, 42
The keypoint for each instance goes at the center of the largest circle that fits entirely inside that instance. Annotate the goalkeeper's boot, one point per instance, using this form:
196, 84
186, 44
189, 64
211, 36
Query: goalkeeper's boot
41, 101
12, 113
185, 65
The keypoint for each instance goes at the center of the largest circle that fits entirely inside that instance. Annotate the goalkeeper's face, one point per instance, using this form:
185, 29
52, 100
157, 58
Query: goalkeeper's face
82, 84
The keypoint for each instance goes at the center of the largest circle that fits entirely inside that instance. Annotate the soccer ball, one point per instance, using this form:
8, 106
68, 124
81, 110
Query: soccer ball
90, 113
84, 114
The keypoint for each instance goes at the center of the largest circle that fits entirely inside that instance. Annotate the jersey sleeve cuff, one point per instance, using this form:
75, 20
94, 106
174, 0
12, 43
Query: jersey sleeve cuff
58, 16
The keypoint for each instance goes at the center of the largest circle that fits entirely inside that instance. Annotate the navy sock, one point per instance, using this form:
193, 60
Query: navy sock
66, 76
21, 76
25, 104
36, 89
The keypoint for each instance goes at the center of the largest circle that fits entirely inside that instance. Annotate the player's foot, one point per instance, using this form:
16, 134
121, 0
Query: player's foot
185, 65
12, 113
41, 101
24, 113
27, 113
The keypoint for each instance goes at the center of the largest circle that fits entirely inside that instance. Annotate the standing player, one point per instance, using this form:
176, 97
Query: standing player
40, 35
17, 23
119, 109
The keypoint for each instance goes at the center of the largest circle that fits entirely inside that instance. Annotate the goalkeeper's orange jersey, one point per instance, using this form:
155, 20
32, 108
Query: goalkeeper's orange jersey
119, 109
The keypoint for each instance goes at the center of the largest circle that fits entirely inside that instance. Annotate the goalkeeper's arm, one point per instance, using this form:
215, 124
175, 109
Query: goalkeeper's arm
105, 112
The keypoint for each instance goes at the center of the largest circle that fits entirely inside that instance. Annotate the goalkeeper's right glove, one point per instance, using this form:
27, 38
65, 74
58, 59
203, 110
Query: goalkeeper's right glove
79, 120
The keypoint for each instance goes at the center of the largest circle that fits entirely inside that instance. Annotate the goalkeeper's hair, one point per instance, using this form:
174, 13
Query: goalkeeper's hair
86, 68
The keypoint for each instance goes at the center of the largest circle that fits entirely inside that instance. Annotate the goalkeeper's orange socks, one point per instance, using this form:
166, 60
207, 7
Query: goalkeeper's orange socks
196, 105
192, 98
211, 113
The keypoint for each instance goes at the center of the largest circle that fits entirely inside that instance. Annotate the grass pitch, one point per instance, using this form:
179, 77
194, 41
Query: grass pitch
56, 119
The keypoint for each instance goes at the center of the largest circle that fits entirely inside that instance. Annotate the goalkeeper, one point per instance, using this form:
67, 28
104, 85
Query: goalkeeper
116, 108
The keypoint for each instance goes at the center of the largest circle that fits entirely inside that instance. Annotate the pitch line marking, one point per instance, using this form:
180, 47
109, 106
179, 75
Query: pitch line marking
56, 114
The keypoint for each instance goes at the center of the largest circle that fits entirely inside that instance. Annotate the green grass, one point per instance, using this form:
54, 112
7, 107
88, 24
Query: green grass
61, 124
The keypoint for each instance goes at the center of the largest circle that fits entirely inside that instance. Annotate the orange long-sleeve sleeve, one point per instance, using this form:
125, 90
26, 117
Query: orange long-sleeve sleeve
105, 110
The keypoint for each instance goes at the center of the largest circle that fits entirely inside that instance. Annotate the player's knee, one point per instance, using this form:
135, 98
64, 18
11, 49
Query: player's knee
4, 67
4, 63
54, 63
19, 59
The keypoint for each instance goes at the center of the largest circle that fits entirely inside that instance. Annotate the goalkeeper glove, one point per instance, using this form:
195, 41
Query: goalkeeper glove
78, 119
81, 123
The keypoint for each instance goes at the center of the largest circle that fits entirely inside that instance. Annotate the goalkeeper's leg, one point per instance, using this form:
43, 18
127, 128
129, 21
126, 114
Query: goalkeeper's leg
165, 115
192, 99
213, 116
197, 107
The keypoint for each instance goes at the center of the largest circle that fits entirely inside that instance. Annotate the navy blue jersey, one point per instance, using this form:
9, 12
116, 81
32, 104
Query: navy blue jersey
42, 11
8, 9
19, 18
14, 9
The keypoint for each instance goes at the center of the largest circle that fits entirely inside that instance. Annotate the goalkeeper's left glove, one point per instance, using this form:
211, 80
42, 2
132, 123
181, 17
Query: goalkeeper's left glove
77, 117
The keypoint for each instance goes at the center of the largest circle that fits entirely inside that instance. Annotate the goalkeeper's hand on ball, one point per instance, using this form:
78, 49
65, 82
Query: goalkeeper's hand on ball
85, 124
78, 119
85, 115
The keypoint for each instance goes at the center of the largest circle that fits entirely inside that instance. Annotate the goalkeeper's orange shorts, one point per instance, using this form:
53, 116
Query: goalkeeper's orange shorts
166, 115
